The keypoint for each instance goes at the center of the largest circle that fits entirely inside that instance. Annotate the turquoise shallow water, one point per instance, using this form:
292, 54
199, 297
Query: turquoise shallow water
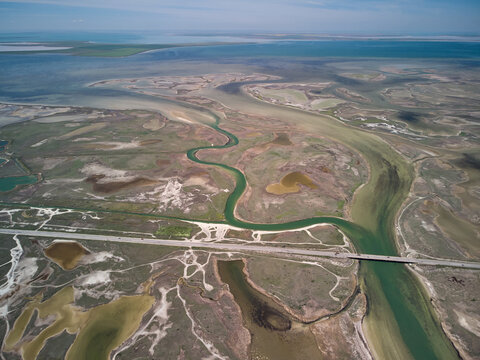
9, 183
3, 145
28, 77
36, 77
343, 49
420, 330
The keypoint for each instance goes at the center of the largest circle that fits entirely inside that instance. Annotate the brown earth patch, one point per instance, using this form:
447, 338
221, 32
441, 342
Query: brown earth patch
66, 254
281, 139
239, 234
114, 186
162, 162
149, 142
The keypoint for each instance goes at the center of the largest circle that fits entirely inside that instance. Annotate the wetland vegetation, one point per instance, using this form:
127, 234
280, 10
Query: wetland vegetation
275, 335
100, 330
390, 180
359, 143
13, 176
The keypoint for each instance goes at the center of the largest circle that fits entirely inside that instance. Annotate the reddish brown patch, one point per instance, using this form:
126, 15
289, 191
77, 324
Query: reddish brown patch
149, 142
111, 187
282, 139
162, 163
239, 234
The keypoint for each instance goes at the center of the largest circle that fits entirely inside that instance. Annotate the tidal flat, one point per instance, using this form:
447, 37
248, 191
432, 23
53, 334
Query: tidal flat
187, 143
275, 334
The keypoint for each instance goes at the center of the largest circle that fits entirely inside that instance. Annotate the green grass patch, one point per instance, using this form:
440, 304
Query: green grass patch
174, 231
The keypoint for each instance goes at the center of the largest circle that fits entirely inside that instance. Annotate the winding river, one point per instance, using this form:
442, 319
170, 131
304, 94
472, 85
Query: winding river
400, 322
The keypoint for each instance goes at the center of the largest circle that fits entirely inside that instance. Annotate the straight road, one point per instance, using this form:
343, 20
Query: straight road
242, 248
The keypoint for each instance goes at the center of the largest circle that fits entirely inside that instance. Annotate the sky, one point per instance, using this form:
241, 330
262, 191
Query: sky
388, 17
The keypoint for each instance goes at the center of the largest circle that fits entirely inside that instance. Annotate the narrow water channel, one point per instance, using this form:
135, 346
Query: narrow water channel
398, 305
394, 295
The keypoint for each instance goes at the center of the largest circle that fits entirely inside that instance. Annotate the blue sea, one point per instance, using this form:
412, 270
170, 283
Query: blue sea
28, 77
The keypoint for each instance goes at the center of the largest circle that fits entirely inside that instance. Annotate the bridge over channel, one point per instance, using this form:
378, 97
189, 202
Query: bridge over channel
262, 249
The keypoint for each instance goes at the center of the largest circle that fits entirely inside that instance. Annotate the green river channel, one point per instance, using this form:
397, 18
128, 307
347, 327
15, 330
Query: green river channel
400, 319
